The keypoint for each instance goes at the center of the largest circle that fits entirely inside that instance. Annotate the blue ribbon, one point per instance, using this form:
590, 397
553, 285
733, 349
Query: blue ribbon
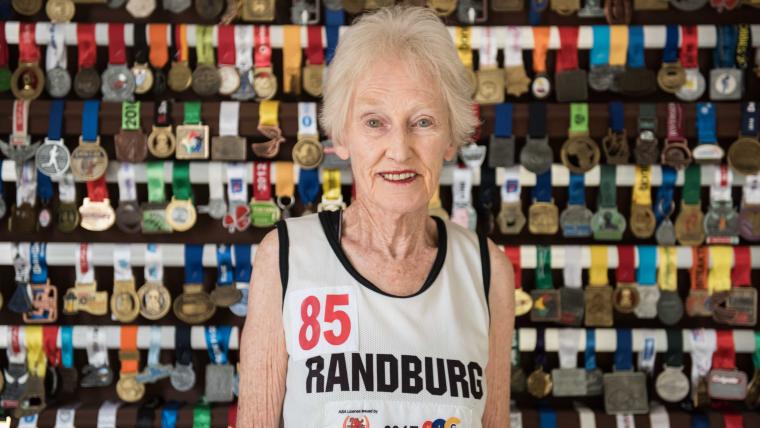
624, 351
547, 418
706, 123
646, 274
169, 414
55, 122
194, 263
308, 185
699, 420
749, 119
242, 263
636, 47
617, 116
537, 7
724, 54
665, 193
67, 346
333, 20
600, 49
37, 255
90, 120
218, 342
670, 53
576, 190
224, 269
503, 125
542, 191
589, 354
44, 187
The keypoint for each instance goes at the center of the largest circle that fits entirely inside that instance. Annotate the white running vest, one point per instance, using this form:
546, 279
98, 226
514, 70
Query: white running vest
359, 358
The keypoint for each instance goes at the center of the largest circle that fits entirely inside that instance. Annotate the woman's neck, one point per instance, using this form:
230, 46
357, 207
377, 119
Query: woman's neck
397, 235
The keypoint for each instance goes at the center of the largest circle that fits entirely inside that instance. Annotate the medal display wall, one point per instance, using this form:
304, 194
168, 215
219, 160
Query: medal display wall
728, 119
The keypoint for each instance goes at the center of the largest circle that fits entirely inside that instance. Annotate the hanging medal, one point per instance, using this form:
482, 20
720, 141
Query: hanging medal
220, 373
314, 70
155, 300
228, 73
707, 151
625, 298
637, 80
523, 301
570, 81
689, 223
541, 86
127, 388
244, 62
131, 142
28, 81
615, 143
676, 151
719, 281
462, 211
84, 296
128, 213
670, 307
264, 79
53, 158
238, 218
89, 160
23, 214
118, 82
594, 375
284, 187
511, 219
664, 208
57, 79
646, 277
576, 218
671, 76
180, 212
264, 211
543, 215
154, 371
125, 304
722, 221
67, 211
744, 153
69, 375
625, 390
490, 78
618, 53
96, 212
87, 79
154, 214
738, 306
308, 152
183, 376
243, 268
725, 381
206, 80
571, 294
671, 384
501, 144
229, 145
224, 293
44, 294
161, 141
194, 306
192, 135
703, 345
16, 371
539, 382
97, 373
517, 378
696, 302
607, 223
217, 205
144, 77
646, 151
537, 155
32, 401
569, 380
19, 147
546, 299
180, 76
726, 80
642, 217
269, 126
694, 84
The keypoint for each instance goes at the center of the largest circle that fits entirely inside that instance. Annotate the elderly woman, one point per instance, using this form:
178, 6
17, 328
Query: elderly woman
381, 315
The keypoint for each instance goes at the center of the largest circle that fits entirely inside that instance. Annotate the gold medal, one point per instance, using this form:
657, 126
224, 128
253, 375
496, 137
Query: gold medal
154, 300
125, 304
181, 215
308, 152
60, 10
88, 160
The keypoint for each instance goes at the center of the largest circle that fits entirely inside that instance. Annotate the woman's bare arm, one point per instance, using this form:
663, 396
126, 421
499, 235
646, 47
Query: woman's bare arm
502, 306
264, 359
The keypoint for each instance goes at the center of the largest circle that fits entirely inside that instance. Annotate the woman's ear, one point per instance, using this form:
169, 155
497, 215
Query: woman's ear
451, 152
340, 149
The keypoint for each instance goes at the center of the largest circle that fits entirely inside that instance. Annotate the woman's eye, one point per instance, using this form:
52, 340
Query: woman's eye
424, 123
373, 123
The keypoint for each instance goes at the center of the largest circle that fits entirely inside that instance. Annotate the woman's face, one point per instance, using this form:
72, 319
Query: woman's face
397, 136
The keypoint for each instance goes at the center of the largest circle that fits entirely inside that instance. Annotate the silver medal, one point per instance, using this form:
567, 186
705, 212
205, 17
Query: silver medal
177, 6
215, 209
219, 379
182, 377
591, 9
600, 78
117, 83
240, 308
245, 91
672, 385
19, 152
666, 233
688, 5
537, 155
594, 382
625, 393
694, 87
575, 221
53, 158
648, 297
58, 82
726, 84
669, 308
570, 382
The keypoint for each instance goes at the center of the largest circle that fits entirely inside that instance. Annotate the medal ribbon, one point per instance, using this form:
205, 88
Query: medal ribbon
117, 49
20, 123
461, 190
646, 274
616, 116
579, 121
26, 188
224, 269
670, 53
597, 272
154, 349
130, 115
107, 414
756, 354
95, 344
154, 268
624, 350
463, 38
262, 56
3, 46
720, 190
664, 199
182, 334
749, 119
87, 50
37, 256
703, 343
193, 263
291, 59
698, 269
268, 113
140, 42
314, 51
67, 346
16, 354
202, 415
741, 275
225, 37
589, 354
607, 186
90, 113
706, 123
667, 276
600, 49
204, 50
122, 269
540, 49
537, 120
97, 190
503, 120
50, 344
159, 45
242, 263
636, 47
719, 275
217, 343
44, 187
331, 189
232, 415
28, 51
699, 420
724, 54
488, 50
262, 185
642, 186
674, 356
547, 418
542, 191
724, 356
513, 254
162, 114
626, 270
692, 185
243, 47
567, 55
85, 272
181, 48
181, 181
539, 356
155, 174
55, 120
742, 46
34, 356
229, 118
576, 190
284, 183
334, 19
689, 46
733, 420
544, 268
192, 112
568, 348
572, 270
618, 45
675, 121
169, 414
55, 55
215, 184
128, 334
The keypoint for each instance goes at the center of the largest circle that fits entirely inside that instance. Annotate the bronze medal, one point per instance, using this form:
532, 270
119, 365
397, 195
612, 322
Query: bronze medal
194, 305
23, 219
543, 218
671, 77
28, 81
87, 82
625, 298
67, 217
642, 222
228, 148
308, 153
616, 149
539, 383
511, 219
258, 10
131, 146
744, 155
676, 153
690, 225
180, 76
580, 153
598, 300
206, 80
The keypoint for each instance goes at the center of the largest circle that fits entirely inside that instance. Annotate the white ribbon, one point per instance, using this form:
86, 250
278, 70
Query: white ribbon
126, 179
568, 348
95, 344
703, 344
718, 191
488, 49
585, 415
307, 118
154, 268
215, 181
658, 416
513, 49
67, 191
243, 47
55, 55
122, 269
648, 353
510, 191
107, 414
625, 421
572, 272
65, 416
229, 114
26, 187
237, 187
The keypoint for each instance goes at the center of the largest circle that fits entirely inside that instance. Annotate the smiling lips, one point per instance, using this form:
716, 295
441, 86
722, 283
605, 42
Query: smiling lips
399, 177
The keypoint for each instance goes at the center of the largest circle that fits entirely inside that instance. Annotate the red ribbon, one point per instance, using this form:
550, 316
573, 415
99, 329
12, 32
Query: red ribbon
28, 50
698, 270
567, 55
675, 120
724, 356
513, 254
88, 52
315, 53
3, 46
262, 185
15, 344
226, 44
117, 48
262, 55
733, 420
50, 343
97, 190
626, 271
232, 415
741, 275
689, 46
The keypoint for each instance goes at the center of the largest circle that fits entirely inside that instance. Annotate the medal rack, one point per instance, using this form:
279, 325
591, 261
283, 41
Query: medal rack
61, 247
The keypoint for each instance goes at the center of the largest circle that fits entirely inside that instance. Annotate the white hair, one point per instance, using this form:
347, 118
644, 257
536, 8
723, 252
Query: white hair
416, 36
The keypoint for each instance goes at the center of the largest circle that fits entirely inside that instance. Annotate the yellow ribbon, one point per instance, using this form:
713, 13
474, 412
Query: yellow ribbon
642, 186
268, 110
597, 273
35, 358
284, 185
618, 45
331, 185
719, 276
667, 272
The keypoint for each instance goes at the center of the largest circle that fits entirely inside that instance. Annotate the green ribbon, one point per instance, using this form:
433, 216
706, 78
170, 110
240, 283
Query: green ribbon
692, 185
130, 115
203, 47
181, 181
192, 112
544, 268
156, 182
756, 355
607, 186
579, 118
202, 416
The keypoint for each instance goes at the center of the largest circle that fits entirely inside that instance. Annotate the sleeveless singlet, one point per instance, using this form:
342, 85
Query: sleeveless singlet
361, 358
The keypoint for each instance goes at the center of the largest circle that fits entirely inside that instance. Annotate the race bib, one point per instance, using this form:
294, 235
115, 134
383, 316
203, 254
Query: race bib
322, 321
376, 413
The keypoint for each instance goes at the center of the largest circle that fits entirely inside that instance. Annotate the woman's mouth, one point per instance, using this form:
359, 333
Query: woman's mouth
398, 177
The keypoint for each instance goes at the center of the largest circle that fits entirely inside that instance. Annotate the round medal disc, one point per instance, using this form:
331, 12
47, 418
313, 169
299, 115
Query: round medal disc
241, 308
53, 159
129, 389
194, 308
265, 84
744, 155
60, 10
181, 215
725, 84
162, 142
58, 82
27, 82
118, 83
125, 306
672, 385
693, 87
143, 78
308, 153
87, 82
27, 7
182, 377
155, 301
180, 77
129, 217
206, 80
230, 80
688, 5
89, 161
541, 87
